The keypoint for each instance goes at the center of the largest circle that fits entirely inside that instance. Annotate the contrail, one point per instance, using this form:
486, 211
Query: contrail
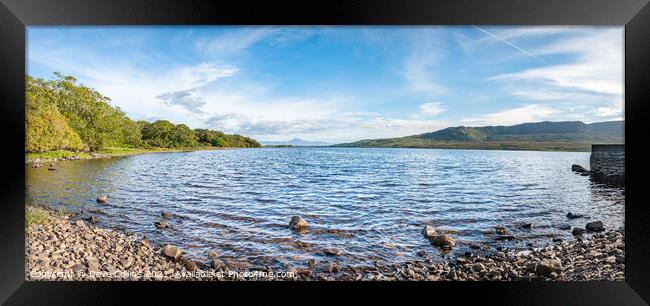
510, 44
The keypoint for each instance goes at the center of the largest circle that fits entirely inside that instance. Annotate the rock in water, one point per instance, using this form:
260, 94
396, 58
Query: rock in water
166, 215
443, 241
438, 239
595, 226
429, 231
578, 231
571, 215
298, 223
501, 230
102, 199
578, 168
161, 224
527, 225
171, 251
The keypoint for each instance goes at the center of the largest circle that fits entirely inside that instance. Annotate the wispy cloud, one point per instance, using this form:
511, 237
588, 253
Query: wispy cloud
431, 108
527, 113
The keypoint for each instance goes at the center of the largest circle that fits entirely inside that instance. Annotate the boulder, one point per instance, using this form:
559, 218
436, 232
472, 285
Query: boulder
102, 199
501, 230
429, 231
171, 252
571, 215
297, 223
438, 239
578, 231
443, 241
190, 265
161, 224
578, 168
595, 226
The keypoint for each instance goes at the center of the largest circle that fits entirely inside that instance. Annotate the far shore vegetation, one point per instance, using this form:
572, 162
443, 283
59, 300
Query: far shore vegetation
65, 118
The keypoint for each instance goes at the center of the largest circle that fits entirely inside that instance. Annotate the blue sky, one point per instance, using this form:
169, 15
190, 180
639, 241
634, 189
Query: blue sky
338, 84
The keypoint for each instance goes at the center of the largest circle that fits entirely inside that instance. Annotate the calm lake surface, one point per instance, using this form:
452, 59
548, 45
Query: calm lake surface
370, 204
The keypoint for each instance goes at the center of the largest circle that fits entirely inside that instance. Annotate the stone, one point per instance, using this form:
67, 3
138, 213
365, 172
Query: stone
126, 262
595, 226
80, 223
93, 265
161, 224
298, 222
166, 215
527, 225
429, 231
578, 231
442, 241
212, 254
544, 269
102, 199
331, 252
571, 215
421, 253
578, 168
51, 168
78, 268
145, 243
190, 265
216, 263
171, 251
501, 230
565, 227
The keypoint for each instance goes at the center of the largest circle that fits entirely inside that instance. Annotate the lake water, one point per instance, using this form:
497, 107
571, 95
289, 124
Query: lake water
370, 204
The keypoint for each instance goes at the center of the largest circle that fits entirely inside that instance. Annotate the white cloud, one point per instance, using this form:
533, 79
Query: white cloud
420, 64
523, 114
597, 68
431, 108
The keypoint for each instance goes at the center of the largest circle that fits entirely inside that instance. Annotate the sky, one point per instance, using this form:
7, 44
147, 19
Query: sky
341, 84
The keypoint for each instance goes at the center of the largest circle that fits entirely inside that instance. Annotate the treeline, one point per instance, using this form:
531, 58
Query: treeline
64, 115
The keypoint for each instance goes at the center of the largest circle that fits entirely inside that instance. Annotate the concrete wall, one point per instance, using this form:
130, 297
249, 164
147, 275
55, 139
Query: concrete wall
608, 161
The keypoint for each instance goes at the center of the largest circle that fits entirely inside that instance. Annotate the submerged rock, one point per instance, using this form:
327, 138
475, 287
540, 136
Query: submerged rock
595, 226
527, 225
161, 224
166, 215
501, 230
578, 231
102, 199
298, 222
571, 215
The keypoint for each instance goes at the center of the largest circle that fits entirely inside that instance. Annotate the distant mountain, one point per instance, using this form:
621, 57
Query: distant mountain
566, 135
296, 142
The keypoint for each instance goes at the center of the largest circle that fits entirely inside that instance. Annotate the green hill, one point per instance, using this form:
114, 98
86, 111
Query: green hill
555, 136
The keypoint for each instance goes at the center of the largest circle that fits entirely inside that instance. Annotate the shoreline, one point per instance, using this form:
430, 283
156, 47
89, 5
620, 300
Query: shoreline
58, 248
37, 158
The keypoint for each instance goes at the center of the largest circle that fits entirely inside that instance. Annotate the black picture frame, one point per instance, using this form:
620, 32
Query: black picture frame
15, 15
